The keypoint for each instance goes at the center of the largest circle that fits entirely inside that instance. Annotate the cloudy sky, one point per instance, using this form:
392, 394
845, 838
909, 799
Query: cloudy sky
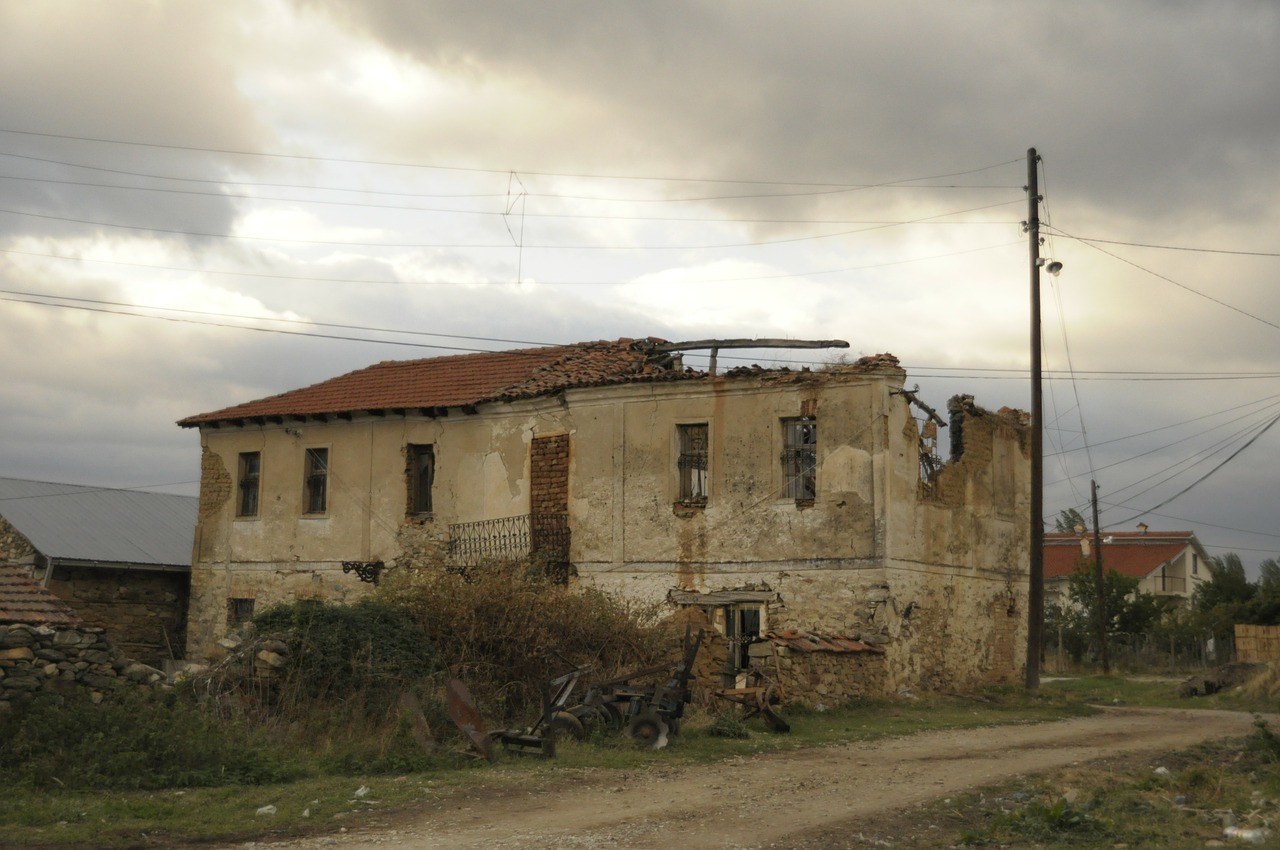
205, 203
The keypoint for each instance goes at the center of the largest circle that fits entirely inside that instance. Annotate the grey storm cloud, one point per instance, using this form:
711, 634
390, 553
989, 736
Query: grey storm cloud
557, 171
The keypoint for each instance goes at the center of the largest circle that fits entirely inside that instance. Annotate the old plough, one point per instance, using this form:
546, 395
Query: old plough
646, 704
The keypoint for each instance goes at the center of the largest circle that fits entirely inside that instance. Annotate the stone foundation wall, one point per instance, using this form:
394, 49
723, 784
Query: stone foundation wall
827, 679
38, 658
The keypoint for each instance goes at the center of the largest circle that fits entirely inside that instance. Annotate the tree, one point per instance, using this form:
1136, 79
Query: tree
1227, 585
1129, 611
1226, 598
1068, 520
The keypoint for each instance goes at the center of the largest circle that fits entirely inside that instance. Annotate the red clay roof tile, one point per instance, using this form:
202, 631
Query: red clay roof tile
461, 380
1134, 554
23, 600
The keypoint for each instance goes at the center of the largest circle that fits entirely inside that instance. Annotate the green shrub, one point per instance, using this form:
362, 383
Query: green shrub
364, 654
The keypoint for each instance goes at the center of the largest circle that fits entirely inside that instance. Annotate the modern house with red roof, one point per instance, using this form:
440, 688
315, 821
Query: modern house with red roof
1167, 563
772, 499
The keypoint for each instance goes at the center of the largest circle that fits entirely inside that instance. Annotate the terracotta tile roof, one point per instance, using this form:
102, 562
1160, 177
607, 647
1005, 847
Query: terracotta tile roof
463, 380
809, 642
23, 600
1128, 553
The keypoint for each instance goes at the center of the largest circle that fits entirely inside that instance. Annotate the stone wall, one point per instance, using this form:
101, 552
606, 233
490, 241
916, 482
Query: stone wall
13, 546
39, 658
143, 612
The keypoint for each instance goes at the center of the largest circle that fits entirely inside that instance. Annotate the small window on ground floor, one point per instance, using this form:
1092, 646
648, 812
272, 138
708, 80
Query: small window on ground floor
239, 610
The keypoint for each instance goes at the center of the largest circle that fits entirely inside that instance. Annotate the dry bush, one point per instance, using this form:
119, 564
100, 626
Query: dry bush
505, 629
1266, 683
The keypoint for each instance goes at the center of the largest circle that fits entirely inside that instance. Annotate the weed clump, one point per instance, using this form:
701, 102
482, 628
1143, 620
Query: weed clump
134, 740
506, 629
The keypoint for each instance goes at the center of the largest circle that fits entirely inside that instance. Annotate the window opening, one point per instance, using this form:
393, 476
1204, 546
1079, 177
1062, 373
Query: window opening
422, 473
692, 463
316, 480
800, 459
742, 628
250, 481
239, 611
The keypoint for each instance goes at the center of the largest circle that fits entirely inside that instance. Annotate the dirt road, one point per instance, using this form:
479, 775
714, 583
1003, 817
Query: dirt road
778, 800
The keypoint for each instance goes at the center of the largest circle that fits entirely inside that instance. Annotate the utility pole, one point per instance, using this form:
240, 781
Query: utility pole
1099, 583
1035, 592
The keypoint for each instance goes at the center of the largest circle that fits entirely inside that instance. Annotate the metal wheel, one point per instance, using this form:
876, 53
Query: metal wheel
649, 730
564, 723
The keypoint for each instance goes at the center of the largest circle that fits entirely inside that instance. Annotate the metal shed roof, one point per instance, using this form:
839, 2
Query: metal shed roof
70, 522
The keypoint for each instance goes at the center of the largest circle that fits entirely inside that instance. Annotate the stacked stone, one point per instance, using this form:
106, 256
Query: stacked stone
39, 658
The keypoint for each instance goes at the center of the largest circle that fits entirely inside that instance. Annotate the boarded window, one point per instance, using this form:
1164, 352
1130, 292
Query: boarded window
249, 484
316, 481
800, 459
422, 473
692, 463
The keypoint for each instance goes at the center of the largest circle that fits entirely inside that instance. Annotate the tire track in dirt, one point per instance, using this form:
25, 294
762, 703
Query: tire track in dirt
777, 799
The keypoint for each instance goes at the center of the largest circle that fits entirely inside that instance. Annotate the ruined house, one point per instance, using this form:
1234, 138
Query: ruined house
805, 514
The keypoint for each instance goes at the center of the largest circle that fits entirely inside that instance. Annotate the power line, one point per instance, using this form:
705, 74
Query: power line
1092, 240
504, 245
389, 282
1168, 279
502, 171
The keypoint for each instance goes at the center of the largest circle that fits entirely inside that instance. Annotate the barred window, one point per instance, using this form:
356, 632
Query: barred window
800, 459
316, 481
692, 463
250, 483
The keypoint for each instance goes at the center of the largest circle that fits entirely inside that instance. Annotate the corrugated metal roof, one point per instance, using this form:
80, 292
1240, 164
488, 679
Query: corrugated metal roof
72, 522
23, 600
809, 642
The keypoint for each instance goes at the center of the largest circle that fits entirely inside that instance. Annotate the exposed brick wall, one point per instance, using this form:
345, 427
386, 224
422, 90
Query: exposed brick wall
549, 475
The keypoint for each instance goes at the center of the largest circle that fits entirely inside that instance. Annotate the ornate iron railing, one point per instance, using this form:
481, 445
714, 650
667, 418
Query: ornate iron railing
509, 538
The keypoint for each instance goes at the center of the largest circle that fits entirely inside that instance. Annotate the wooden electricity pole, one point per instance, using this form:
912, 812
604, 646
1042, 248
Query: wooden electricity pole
1100, 583
1035, 592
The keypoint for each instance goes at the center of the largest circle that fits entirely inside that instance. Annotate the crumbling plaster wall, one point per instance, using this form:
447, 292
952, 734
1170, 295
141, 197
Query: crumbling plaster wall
936, 576
482, 472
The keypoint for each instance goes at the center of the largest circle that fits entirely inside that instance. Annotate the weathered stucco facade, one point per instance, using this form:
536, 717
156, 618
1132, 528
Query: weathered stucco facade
801, 505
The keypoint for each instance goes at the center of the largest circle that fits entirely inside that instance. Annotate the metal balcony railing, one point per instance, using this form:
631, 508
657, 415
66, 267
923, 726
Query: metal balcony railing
510, 538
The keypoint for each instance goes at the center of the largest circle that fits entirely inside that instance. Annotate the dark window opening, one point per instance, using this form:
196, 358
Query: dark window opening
422, 473
250, 481
742, 628
316, 481
239, 611
800, 459
692, 463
